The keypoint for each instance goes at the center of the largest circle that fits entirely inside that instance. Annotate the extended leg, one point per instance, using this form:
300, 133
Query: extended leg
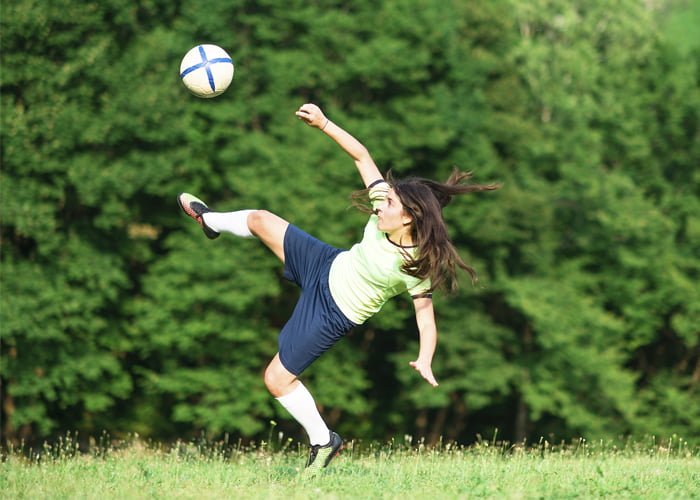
267, 226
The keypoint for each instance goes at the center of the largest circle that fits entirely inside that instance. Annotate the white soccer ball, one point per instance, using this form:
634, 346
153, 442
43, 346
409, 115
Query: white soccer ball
206, 70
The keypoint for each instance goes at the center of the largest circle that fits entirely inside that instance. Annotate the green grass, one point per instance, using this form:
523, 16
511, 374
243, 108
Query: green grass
134, 470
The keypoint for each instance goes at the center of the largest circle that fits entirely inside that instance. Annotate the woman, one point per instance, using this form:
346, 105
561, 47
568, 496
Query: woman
405, 247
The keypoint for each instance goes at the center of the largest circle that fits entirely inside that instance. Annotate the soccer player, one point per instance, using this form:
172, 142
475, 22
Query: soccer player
405, 247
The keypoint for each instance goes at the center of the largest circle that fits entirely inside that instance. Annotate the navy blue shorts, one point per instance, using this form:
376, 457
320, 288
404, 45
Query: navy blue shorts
316, 323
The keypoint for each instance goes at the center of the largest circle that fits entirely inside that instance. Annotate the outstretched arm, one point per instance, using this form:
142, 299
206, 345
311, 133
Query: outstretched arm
314, 117
425, 317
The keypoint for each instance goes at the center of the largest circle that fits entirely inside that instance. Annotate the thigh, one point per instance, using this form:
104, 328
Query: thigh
314, 327
270, 228
307, 259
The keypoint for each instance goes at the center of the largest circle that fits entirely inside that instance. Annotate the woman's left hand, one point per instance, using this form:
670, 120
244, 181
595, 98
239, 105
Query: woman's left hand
425, 370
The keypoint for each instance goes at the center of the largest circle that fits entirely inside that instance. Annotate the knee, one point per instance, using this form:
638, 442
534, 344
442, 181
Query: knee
257, 219
278, 380
272, 381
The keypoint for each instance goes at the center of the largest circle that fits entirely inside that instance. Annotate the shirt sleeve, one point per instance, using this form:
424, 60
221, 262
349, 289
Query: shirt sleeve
418, 289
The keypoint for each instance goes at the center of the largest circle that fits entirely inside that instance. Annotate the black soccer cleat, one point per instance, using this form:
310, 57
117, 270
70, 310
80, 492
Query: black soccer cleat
321, 455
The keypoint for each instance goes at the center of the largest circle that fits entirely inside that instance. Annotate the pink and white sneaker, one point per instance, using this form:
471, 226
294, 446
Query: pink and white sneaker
195, 208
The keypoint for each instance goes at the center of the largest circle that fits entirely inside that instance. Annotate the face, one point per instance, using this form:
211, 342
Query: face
391, 215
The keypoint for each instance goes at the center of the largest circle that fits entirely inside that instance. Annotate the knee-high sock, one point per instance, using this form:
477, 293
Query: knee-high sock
301, 405
230, 222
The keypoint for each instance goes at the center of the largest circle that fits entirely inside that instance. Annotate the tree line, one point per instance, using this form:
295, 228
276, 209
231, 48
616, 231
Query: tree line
118, 315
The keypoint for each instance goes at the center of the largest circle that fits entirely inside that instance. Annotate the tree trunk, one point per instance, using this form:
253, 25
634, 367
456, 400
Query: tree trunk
521, 420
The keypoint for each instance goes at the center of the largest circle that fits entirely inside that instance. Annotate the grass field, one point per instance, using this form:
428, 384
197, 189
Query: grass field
135, 470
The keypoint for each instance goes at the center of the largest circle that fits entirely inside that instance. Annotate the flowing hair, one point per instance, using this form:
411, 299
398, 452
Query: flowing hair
437, 259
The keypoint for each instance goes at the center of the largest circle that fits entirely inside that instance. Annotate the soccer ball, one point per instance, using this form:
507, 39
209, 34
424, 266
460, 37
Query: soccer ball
206, 70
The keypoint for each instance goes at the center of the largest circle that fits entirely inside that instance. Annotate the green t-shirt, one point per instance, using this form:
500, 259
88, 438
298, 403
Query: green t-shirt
362, 279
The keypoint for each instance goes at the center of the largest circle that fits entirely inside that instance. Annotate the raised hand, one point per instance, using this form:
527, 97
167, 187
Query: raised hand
312, 115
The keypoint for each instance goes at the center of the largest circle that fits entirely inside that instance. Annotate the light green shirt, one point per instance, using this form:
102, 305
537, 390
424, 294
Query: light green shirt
362, 279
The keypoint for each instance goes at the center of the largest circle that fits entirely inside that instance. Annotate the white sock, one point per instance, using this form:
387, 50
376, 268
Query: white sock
229, 222
300, 403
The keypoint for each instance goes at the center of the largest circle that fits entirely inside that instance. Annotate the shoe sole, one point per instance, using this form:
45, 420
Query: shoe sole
188, 210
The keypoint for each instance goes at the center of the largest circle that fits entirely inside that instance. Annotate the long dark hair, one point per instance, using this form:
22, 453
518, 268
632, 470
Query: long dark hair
423, 200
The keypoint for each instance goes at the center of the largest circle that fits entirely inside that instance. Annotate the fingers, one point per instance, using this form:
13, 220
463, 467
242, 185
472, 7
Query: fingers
425, 371
308, 111
430, 378
308, 107
304, 115
311, 114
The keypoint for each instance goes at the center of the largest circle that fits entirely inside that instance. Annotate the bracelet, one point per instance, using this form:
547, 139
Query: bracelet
325, 124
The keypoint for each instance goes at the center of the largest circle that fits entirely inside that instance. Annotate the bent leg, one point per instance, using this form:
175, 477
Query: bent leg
297, 400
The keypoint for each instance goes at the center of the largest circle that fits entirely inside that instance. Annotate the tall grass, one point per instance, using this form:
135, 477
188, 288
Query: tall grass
134, 469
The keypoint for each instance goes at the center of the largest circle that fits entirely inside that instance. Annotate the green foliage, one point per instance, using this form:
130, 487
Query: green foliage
118, 314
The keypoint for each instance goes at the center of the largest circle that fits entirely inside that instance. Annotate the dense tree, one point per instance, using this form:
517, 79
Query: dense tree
118, 314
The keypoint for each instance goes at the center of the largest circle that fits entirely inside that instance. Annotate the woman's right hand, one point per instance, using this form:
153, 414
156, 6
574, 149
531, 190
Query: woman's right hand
312, 115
